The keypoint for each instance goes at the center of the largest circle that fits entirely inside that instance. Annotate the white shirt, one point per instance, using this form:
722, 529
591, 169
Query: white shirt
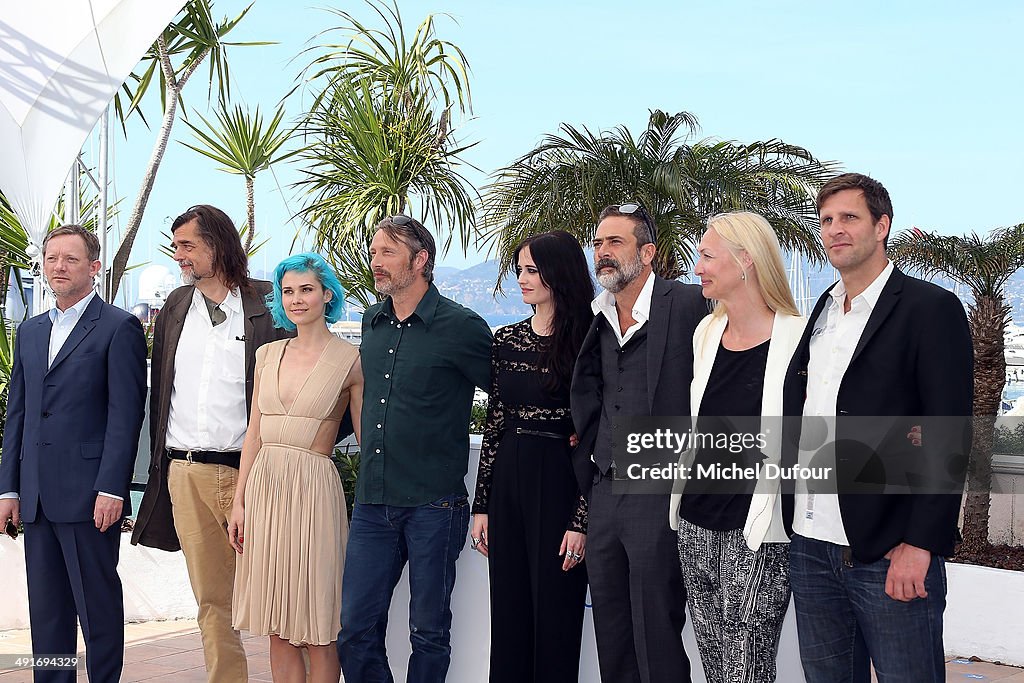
605, 303
207, 411
62, 322
834, 338
61, 325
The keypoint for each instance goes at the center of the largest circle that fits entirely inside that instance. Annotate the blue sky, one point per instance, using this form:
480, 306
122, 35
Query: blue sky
923, 96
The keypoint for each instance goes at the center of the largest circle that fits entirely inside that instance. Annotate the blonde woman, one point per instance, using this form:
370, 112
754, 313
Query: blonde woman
732, 544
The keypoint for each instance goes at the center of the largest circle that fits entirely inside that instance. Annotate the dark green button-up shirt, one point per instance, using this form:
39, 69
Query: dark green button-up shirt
420, 374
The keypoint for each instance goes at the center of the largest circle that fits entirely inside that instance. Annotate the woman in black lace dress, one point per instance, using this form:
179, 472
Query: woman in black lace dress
529, 518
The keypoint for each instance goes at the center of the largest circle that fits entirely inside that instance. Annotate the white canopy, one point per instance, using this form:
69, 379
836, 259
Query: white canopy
61, 61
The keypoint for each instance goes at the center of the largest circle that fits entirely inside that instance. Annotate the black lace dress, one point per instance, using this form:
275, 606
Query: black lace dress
526, 487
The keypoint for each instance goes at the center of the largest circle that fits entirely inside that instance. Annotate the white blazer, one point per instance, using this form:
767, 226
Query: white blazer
764, 520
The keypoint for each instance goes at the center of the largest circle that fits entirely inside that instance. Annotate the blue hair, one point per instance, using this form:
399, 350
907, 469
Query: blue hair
305, 263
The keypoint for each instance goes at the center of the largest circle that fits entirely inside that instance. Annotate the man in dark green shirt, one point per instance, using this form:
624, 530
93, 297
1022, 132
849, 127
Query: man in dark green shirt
422, 355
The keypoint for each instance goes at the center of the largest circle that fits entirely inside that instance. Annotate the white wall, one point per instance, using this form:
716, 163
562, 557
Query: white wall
471, 627
155, 584
984, 614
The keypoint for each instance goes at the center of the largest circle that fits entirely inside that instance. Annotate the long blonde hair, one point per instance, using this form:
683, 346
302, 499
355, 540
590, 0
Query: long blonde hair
750, 232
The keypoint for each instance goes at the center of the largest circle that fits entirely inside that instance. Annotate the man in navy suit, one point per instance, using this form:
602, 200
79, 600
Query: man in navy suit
75, 408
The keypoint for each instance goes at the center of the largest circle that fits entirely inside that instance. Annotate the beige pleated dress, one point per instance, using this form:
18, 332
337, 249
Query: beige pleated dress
288, 578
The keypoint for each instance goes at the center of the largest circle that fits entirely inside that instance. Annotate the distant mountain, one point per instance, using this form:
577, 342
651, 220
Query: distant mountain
444, 271
473, 287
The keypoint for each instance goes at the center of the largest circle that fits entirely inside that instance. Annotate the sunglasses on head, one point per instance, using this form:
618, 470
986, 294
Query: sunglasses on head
631, 208
419, 230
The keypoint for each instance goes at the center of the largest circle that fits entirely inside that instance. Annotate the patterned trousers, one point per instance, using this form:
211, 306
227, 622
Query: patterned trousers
738, 600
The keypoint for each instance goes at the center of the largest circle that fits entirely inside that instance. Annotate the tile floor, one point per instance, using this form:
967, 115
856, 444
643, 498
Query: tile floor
154, 651
171, 650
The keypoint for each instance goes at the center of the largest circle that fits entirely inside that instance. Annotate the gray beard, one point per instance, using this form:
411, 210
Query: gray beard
397, 283
190, 278
622, 276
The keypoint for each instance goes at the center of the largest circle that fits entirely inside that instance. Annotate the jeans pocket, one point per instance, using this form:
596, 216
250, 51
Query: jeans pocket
450, 502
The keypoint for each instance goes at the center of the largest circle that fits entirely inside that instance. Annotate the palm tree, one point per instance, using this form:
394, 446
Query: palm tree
191, 39
982, 264
388, 63
379, 140
13, 249
566, 180
242, 146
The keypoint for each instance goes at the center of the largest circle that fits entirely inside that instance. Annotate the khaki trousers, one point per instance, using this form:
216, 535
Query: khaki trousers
201, 498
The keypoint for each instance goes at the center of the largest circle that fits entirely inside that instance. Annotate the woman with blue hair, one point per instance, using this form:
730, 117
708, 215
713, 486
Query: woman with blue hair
288, 521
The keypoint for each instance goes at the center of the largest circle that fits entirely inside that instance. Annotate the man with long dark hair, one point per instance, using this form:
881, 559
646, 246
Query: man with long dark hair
628, 367
204, 349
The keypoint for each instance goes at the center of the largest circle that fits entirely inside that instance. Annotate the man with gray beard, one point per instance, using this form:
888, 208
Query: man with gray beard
422, 356
637, 360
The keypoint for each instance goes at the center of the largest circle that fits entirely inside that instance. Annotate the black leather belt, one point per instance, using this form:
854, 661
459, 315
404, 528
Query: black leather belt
546, 435
227, 458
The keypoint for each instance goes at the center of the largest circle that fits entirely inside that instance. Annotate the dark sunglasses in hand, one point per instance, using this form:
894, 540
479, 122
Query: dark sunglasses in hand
11, 530
638, 209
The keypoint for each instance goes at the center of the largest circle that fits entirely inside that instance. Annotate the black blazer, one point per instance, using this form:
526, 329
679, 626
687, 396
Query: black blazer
915, 358
676, 308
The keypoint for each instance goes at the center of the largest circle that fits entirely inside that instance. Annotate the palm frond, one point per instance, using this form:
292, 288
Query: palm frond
983, 264
239, 141
389, 63
193, 37
570, 176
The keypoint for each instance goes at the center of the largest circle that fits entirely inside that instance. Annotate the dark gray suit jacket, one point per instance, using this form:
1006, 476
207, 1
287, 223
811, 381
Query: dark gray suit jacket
676, 308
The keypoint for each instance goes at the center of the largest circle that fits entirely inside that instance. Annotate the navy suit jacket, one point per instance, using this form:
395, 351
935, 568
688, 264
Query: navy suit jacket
72, 429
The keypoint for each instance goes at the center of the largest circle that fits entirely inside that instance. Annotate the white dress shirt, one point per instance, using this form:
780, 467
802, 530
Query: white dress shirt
62, 322
605, 303
641, 313
61, 325
834, 338
207, 411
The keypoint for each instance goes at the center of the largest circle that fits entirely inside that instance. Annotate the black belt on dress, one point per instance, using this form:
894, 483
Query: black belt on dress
227, 458
546, 435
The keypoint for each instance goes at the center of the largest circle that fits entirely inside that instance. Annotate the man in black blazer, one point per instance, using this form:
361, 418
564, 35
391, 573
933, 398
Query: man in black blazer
866, 568
637, 360
77, 395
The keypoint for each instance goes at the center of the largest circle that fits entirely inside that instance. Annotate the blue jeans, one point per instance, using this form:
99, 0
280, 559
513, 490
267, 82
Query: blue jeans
382, 538
847, 623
